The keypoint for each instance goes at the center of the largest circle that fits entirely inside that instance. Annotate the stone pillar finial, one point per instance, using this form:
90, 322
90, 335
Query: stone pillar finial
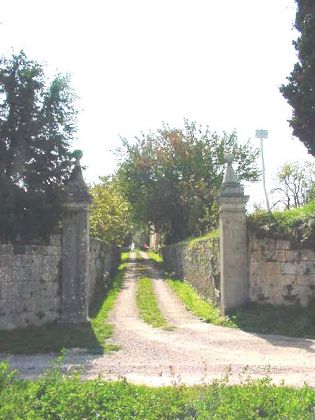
75, 260
230, 186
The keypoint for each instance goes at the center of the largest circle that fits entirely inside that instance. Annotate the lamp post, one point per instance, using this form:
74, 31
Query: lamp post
263, 134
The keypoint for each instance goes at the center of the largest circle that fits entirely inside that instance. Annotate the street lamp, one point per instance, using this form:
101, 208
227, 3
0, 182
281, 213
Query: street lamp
263, 134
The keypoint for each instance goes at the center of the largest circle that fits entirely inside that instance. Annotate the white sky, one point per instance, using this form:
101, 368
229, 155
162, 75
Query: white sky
136, 63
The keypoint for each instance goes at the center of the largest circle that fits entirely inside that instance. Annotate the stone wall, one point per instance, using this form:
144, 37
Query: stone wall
31, 280
30, 277
198, 264
279, 273
103, 261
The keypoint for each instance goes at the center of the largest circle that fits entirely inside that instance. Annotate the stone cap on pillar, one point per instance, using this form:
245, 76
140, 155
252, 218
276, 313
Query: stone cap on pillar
76, 191
230, 187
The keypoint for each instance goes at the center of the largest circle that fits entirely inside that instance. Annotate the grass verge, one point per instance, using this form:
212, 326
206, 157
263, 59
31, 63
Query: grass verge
147, 304
197, 305
55, 337
59, 396
154, 256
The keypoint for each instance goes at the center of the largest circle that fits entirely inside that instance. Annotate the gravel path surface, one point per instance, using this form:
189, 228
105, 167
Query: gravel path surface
194, 352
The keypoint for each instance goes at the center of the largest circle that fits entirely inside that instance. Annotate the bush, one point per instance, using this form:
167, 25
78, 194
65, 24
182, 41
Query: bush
297, 224
57, 395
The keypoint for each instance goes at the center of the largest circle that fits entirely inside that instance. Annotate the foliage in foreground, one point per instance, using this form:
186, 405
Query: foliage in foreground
54, 337
37, 127
172, 177
147, 305
297, 224
59, 396
198, 305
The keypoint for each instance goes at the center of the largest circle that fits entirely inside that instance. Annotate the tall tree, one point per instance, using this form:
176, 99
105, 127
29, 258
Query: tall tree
110, 213
295, 184
172, 177
300, 91
37, 125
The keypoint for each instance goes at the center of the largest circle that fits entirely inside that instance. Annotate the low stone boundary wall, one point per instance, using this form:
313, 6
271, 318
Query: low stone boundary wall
103, 261
31, 280
279, 273
198, 264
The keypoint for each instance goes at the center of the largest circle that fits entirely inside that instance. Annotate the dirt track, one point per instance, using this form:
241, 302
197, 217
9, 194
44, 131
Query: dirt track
194, 352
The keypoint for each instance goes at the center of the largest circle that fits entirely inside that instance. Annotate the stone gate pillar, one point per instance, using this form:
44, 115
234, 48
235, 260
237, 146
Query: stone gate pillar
233, 241
75, 248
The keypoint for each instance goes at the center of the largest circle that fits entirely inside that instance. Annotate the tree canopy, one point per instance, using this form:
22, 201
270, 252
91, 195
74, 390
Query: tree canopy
172, 177
110, 213
295, 184
37, 126
300, 90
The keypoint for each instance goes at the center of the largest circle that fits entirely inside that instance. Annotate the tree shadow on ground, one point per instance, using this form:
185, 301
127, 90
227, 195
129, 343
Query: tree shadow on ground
292, 326
50, 338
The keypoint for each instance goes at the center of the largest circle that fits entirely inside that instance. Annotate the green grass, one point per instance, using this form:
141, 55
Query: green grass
124, 256
54, 337
154, 256
138, 254
198, 305
147, 304
292, 321
214, 234
297, 224
60, 396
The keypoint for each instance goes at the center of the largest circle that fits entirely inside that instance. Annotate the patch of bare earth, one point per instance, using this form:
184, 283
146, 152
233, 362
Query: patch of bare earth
194, 352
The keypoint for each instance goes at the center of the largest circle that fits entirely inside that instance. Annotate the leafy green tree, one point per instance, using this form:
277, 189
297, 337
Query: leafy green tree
172, 177
37, 125
110, 213
300, 91
295, 184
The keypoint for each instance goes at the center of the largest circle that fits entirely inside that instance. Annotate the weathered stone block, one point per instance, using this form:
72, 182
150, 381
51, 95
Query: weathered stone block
6, 260
22, 274
22, 260
283, 244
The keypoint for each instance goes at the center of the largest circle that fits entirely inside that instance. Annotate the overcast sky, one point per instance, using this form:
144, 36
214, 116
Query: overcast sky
136, 63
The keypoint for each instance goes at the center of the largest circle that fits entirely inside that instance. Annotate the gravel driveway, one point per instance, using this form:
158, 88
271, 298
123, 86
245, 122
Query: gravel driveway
193, 352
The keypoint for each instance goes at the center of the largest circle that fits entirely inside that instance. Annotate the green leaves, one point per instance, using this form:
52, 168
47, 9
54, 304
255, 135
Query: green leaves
300, 90
172, 176
37, 126
110, 218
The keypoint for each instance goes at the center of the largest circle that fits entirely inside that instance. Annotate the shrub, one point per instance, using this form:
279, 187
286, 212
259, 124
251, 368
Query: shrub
297, 224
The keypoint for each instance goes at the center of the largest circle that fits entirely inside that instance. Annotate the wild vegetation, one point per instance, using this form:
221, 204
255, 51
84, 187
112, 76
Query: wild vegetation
65, 396
297, 224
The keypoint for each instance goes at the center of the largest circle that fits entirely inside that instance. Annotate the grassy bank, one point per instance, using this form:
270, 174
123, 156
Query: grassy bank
54, 337
56, 396
198, 305
297, 224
